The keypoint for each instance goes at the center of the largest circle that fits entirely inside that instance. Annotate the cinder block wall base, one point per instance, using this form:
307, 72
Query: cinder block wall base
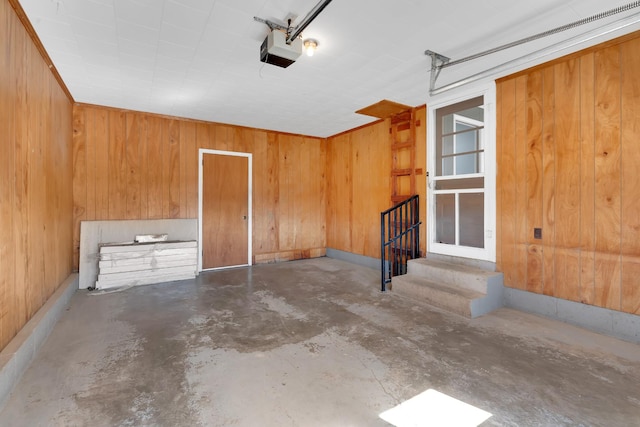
20, 352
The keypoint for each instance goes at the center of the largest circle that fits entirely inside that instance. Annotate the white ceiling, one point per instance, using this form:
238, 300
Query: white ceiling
200, 58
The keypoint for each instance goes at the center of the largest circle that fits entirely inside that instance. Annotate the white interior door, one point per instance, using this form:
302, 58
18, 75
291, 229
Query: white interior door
461, 186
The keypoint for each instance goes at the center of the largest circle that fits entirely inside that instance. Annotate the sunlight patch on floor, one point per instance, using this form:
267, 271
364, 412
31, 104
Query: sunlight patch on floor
432, 408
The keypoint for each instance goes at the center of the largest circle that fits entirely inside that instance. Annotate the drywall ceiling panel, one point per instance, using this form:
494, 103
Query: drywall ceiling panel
200, 58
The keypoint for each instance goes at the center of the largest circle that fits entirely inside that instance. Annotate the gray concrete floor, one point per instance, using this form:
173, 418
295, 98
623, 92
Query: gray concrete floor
311, 343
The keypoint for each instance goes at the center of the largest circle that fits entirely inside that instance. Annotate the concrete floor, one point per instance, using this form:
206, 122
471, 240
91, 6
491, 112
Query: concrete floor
312, 343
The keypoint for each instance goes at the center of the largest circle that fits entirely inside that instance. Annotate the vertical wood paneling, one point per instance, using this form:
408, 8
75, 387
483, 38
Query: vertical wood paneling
7, 176
80, 181
21, 195
157, 160
155, 170
289, 191
134, 170
265, 193
364, 181
499, 172
293, 189
588, 126
62, 134
371, 187
51, 256
224, 137
206, 136
36, 186
508, 181
171, 170
117, 166
587, 179
311, 205
166, 172
607, 189
271, 200
191, 163
243, 140
567, 159
548, 182
630, 177
188, 170
358, 185
202, 136
100, 139
36, 210
320, 163
90, 152
534, 180
300, 210
339, 192
144, 166
520, 152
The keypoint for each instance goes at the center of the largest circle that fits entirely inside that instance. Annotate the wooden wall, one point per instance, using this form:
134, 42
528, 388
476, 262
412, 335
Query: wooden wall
568, 162
131, 165
358, 186
35, 178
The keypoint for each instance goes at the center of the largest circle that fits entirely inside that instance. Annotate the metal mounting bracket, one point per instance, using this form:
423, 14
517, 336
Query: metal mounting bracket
272, 25
295, 32
437, 62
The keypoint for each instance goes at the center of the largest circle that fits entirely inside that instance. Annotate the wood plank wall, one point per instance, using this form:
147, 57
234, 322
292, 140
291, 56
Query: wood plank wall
568, 161
35, 178
359, 186
131, 165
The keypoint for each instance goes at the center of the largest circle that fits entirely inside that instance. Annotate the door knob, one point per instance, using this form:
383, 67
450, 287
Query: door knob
244, 217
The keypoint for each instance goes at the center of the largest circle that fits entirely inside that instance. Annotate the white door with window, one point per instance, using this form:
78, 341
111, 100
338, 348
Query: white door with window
461, 181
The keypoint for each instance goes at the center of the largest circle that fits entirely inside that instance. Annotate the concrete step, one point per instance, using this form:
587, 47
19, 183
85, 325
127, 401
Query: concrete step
450, 298
455, 274
460, 288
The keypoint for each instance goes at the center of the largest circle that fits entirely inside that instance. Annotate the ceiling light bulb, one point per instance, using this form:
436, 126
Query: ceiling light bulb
310, 46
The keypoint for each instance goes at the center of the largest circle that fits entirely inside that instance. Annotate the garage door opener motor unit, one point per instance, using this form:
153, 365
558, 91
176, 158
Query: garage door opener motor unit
276, 51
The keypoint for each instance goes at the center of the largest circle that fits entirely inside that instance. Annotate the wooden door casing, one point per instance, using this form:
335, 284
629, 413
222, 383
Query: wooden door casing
225, 210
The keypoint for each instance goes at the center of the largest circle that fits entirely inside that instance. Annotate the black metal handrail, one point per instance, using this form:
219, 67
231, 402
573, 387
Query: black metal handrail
400, 238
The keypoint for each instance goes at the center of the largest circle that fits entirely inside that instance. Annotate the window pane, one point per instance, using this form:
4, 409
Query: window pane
472, 219
446, 218
448, 145
466, 163
447, 124
466, 141
459, 129
447, 166
473, 113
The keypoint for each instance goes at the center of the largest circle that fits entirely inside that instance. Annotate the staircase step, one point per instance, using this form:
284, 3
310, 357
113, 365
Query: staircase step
450, 298
464, 276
